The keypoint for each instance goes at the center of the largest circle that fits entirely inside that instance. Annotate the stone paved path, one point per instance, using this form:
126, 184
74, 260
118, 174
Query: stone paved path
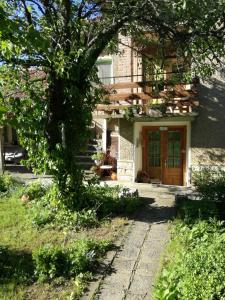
134, 267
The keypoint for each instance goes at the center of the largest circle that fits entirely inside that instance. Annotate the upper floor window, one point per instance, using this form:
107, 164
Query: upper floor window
104, 65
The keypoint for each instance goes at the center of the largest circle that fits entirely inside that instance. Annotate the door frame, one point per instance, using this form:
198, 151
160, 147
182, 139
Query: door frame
183, 151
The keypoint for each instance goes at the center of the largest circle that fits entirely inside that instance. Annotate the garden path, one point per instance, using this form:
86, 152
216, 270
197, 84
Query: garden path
132, 268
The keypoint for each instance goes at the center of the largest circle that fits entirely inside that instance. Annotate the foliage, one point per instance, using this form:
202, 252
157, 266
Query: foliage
34, 190
210, 184
6, 183
109, 200
48, 79
196, 210
3, 254
19, 239
95, 202
198, 269
194, 265
99, 156
51, 262
81, 283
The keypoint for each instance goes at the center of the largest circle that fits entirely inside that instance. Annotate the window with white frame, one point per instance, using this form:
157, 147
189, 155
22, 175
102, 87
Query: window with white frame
104, 66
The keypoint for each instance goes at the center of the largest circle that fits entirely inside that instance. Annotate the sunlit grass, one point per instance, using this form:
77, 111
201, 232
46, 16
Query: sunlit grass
21, 237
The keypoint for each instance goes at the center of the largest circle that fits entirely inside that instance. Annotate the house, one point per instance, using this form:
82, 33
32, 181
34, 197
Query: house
155, 127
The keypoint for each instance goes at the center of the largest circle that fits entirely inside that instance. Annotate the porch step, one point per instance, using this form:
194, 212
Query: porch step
84, 158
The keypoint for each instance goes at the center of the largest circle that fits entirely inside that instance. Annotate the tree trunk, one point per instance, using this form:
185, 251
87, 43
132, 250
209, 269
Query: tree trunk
55, 114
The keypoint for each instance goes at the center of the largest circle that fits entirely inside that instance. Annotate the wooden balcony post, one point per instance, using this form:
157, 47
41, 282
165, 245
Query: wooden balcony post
104, 135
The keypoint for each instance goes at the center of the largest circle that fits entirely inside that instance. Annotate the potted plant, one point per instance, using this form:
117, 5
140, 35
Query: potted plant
98, 158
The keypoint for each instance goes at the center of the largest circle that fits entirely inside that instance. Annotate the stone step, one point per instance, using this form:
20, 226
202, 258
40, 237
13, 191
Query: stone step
84, 159
85, 165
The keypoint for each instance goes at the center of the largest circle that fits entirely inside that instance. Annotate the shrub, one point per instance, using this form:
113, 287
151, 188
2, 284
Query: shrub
110, 200
50, 262
34, 190
197, 268
194, 210
82, 256
95, 202
210, 184
6, 183
3, 258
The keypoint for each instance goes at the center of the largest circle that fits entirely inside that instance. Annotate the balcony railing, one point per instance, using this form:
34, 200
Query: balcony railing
146, 96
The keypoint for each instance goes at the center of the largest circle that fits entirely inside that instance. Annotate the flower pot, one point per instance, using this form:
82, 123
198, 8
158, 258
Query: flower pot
113, 176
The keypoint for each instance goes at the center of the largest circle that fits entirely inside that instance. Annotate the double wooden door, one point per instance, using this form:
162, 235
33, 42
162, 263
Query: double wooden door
164, 154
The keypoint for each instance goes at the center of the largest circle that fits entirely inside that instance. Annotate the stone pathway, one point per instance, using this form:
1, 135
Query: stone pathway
134, 266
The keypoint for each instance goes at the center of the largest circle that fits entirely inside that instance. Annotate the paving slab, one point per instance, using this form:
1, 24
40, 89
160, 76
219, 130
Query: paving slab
134, 267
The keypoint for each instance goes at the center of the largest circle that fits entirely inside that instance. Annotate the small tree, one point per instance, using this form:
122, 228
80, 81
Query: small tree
48, 51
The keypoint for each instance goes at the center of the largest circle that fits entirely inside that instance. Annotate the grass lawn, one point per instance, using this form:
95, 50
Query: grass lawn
21, 237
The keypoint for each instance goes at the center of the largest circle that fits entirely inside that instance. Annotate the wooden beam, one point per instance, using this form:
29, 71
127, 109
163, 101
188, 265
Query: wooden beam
128, 96
128, 85
141, 84
178, 102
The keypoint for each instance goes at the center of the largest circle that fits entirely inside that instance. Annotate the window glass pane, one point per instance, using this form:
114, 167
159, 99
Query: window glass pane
105, 72
154, 148
174, 135
154, 135
170, 148
174, 149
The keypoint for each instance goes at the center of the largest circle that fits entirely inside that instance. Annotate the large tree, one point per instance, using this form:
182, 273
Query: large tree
48, 51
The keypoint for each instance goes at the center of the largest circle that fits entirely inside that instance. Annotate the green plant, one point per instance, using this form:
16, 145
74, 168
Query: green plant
3, 258
109, 200
194, 266
50, 262
128, 113
194, 210
210, 184
98, 156
82, 256
34, 190
6, 183
81, 283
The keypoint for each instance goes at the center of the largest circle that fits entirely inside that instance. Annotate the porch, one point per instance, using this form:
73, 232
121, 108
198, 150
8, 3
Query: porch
131, 110
134, 96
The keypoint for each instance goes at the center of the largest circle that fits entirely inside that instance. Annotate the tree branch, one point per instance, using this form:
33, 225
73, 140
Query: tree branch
27, 13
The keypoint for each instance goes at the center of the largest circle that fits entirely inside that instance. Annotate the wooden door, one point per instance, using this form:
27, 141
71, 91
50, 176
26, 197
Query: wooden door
164, 154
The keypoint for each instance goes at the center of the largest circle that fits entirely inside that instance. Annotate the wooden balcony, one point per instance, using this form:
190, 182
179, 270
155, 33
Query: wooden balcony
148, 97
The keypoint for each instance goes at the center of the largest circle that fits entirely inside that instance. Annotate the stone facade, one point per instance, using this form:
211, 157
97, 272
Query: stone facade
125, 163
208, 129
207, 140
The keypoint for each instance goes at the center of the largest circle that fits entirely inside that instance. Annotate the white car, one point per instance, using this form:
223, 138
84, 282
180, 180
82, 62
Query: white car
13, 154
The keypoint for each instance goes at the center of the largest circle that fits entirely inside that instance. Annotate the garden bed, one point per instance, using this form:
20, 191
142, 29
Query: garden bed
46, 259
193, 266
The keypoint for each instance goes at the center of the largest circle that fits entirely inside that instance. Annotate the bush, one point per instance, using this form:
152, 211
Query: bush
199, 270
34, 190
3, 258
95, 202
82, 256
210, 184
193, 210
6, 183
110, 200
